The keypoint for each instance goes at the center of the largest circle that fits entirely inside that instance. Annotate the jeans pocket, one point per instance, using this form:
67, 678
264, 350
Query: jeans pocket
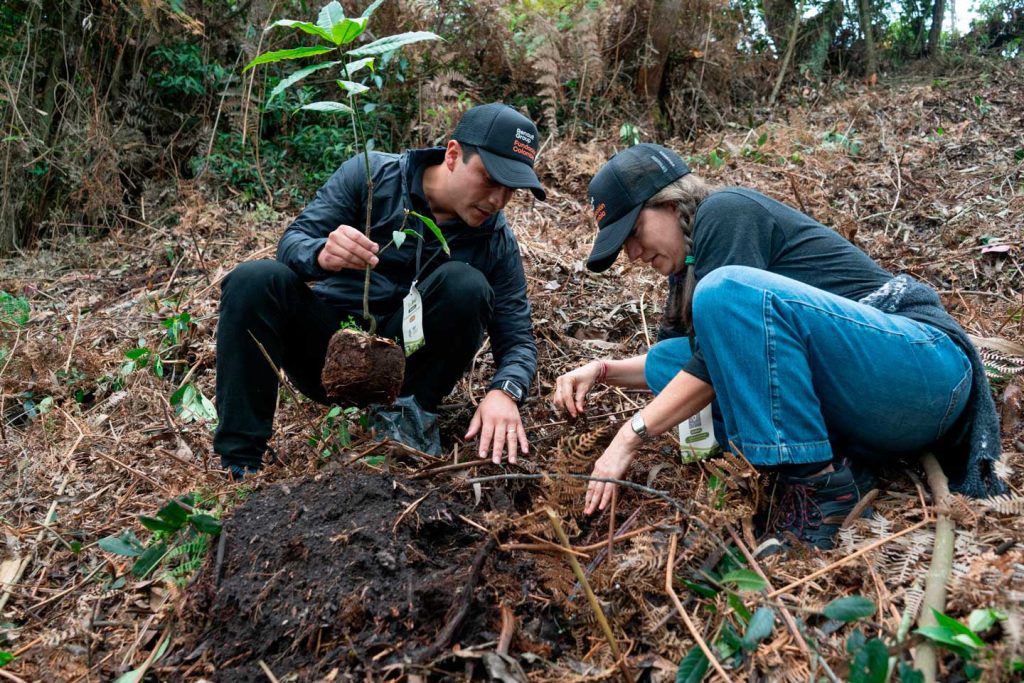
957, 402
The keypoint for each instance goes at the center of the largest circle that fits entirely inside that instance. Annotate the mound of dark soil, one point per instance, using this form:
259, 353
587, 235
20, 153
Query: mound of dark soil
336, 573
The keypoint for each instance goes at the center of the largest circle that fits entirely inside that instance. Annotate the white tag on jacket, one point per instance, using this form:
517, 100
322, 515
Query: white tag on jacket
412, 321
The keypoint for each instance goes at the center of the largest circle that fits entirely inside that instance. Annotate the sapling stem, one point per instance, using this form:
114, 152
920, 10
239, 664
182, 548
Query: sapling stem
356, 130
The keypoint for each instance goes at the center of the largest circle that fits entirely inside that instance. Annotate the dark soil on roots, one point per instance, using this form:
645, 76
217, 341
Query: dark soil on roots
316, 576
361, 369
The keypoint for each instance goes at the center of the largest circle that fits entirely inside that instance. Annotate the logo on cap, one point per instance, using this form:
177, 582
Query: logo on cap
599, 212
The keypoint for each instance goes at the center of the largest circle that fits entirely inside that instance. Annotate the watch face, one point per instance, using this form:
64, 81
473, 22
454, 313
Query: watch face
512, 389
637, 423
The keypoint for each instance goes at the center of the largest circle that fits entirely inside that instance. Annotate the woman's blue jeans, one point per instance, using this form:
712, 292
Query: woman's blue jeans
798, 371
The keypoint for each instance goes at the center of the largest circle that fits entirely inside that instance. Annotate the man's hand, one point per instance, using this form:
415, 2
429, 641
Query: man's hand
499, 425
572, 387
612, 464
346, 247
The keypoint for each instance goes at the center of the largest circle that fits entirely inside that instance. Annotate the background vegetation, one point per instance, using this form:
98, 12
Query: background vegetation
106, 101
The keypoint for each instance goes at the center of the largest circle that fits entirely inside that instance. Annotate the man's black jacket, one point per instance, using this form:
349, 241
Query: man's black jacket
491, 248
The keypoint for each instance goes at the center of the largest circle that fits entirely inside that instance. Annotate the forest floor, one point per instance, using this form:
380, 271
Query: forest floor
356, 561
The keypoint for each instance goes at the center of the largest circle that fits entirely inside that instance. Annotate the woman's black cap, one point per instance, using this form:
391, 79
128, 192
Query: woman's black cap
618, 193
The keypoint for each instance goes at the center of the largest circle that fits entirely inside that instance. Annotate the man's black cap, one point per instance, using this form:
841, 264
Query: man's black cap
619, 190
507, 142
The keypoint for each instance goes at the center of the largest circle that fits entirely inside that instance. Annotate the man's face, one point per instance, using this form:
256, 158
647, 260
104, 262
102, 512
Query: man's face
474, 195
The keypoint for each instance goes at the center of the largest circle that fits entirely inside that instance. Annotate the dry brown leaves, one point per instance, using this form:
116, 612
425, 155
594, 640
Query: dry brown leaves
933, 185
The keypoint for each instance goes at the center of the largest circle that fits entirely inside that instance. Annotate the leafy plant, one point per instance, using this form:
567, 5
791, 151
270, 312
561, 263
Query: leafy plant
5, 658
335, 31
334, 434
192, 405
965, 640
178, 70
14, 310
983, 107
629, 135
181, 530
173, 345
846, 141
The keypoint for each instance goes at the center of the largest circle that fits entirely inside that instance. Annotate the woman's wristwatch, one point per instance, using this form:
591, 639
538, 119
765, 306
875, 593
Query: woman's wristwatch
638, 425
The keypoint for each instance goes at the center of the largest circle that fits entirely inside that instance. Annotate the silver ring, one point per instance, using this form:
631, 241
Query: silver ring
510, 430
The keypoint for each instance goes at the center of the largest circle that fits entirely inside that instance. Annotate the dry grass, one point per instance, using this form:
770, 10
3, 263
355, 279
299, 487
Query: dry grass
917, 200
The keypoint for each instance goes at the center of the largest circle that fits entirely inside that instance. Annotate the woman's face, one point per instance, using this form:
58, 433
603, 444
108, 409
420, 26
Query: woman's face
657, 239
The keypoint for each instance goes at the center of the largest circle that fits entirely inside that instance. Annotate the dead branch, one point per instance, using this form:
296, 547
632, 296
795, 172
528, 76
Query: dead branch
460, 605
941, 566
613, 645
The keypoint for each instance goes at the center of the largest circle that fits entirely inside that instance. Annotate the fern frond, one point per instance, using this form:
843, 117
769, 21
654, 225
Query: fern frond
1004, 505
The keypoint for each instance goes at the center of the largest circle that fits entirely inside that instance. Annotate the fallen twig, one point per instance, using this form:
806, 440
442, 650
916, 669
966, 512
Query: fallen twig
266, 670
941, 566
854, 555
556, 523
686, 617
460, 605
786, 615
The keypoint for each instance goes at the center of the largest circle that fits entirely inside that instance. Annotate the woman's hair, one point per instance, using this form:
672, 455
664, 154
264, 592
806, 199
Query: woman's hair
685, 194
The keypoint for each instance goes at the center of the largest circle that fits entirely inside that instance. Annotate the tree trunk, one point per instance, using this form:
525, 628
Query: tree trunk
869, 40
935, 33
661, 28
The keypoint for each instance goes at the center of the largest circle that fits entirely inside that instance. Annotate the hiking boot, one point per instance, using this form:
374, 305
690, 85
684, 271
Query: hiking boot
811, 509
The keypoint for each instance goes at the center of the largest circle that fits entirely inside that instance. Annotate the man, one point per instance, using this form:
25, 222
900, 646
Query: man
479, 288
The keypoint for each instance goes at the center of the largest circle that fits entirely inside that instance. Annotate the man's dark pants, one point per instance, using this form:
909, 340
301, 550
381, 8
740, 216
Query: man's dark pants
270, 301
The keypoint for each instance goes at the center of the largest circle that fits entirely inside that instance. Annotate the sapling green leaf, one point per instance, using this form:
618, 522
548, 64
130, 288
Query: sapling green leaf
149, 559
126, 544
870, 663
353, 88
981, 620
966, 635
309, 28
205, 523
296, 77
356, 66
154, 524
432, 226
330, 14
398, 237
371, 8
745, 580
329, 107
174, 513
291, 53
389, 43
692, 667
348, 30
850, 608
759, 627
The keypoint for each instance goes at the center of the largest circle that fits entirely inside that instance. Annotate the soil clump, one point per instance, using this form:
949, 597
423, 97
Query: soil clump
348, 571
362, 369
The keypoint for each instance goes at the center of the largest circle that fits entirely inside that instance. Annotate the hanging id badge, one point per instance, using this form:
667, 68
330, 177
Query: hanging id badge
412, 320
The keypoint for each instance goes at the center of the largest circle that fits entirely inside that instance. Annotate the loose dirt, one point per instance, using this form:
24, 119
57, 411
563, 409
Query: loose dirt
352, 571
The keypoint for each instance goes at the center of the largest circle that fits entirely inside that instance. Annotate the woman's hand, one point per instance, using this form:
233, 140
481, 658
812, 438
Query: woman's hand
572, 387
612, 464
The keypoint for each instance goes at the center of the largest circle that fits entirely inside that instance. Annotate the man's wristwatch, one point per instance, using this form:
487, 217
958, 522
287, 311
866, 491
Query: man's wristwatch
511, 388
638, 425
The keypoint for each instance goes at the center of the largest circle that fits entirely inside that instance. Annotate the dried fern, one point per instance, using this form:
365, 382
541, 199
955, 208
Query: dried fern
1004, 505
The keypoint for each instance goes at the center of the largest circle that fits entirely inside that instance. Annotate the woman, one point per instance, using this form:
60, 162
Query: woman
813, 355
